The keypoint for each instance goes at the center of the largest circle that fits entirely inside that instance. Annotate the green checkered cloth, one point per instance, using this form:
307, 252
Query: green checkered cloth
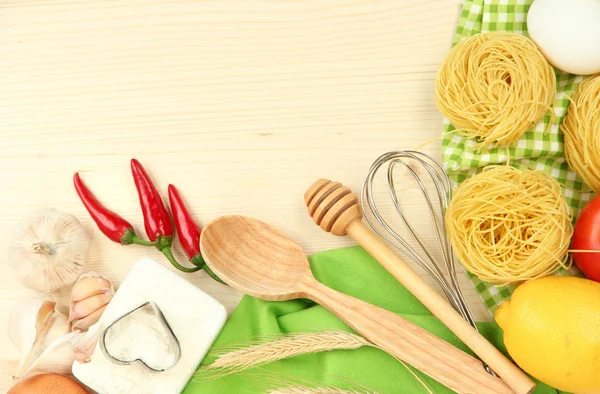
540, 148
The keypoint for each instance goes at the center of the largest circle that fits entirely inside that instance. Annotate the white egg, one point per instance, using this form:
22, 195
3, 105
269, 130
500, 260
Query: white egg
567, 32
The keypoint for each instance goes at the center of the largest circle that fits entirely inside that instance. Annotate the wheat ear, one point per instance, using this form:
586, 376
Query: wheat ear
295, 345
284, 347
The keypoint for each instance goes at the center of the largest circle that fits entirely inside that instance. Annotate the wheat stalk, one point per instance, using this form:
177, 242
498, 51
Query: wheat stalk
287, 345
275, 382
310, 390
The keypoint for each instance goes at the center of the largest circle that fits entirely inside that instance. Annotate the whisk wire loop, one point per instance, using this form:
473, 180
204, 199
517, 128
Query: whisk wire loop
436, 205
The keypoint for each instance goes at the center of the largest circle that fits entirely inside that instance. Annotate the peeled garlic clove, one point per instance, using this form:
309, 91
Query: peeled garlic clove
88, 321
85, 307
47, 251
33, 327
90, 284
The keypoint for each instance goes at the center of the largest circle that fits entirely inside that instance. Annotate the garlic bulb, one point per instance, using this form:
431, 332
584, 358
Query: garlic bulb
34, 325
90, 296
48, 250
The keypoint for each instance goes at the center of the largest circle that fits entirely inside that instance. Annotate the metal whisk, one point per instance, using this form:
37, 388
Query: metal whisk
436, 203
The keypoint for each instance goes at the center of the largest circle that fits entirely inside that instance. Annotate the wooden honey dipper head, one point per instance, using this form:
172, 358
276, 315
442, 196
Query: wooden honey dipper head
332, 206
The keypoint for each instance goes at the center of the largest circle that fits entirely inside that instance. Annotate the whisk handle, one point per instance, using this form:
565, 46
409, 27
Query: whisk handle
439, 306
408, 342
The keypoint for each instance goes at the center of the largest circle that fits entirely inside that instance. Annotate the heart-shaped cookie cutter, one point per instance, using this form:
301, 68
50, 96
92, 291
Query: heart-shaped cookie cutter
165, 324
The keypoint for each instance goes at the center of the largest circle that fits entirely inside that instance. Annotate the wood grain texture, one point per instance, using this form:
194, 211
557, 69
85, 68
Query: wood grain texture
260, 260
334, 207
240, 104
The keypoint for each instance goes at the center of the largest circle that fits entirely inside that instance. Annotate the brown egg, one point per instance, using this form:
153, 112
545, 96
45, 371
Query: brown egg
48, 384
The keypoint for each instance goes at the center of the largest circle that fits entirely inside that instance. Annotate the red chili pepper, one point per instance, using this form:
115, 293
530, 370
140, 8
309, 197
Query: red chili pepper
188, 231
157, 221
110, 224
156, 218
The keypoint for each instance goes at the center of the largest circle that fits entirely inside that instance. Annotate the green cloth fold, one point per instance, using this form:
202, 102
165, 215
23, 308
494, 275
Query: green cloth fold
352, 271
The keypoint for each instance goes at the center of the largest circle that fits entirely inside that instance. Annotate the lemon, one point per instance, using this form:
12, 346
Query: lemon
552, 331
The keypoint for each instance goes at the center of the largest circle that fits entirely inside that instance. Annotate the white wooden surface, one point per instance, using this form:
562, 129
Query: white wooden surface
241, 104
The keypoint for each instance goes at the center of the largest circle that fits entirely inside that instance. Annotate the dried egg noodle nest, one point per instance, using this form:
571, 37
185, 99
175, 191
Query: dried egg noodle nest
508, 225
494, 87
581, 128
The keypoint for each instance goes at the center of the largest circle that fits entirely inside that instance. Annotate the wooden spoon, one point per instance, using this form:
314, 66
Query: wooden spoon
258, 260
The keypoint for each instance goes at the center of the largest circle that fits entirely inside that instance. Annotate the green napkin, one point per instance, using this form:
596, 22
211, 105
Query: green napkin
354, 272
537, 149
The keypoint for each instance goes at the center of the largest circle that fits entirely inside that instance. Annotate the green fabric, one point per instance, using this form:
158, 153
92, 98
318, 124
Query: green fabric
537, 149
354, 272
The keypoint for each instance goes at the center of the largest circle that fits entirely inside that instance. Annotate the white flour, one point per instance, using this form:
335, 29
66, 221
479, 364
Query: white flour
141, 335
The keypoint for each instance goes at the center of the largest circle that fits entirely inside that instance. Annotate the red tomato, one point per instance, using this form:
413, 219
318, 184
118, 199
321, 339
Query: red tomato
586, 236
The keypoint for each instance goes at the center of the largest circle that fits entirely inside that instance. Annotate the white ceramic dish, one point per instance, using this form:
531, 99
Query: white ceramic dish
204, 319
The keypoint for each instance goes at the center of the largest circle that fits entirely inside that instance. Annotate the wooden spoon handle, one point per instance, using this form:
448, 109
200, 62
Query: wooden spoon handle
407, 342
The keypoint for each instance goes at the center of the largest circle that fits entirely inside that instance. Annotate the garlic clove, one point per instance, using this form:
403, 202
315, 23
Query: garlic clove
47, 251
90, 284
88, 321
44, 338
84, 344
57, 357
87, 306
89, 297
22, 322
48, 325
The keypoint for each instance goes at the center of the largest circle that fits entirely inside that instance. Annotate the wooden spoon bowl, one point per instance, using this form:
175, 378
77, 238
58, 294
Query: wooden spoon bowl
253, 243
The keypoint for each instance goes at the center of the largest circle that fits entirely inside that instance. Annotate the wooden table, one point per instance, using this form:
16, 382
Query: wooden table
241, 104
